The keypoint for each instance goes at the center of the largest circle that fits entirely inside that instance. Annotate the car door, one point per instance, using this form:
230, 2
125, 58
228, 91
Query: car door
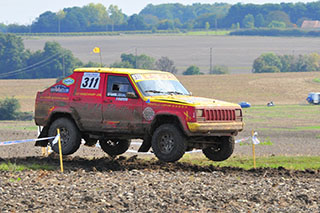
86, 102
122, 107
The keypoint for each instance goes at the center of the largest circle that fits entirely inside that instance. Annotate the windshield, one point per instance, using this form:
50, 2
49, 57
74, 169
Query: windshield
159, 84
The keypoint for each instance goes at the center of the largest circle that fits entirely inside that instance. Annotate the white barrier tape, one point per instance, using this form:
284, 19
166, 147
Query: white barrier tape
254, 139
5, 143
242, 140
56, 139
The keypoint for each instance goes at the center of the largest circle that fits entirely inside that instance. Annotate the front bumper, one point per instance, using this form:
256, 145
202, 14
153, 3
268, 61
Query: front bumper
205, 127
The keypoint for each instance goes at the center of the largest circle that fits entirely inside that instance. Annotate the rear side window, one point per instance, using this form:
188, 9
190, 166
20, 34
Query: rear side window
118, 86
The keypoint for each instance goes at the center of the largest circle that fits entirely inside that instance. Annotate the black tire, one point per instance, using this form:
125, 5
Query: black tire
70, 136
115, 147
168, 143
221, 151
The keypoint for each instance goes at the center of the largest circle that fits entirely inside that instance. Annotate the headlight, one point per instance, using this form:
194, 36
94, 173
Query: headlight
199, 113
238, 113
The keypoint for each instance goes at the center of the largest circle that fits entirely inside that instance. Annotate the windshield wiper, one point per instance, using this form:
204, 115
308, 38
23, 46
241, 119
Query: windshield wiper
174, 92
153, 91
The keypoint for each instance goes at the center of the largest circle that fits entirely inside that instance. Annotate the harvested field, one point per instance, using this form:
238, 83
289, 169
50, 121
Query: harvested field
258, 89
236, 52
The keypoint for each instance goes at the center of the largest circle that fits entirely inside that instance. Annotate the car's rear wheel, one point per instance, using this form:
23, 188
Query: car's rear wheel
221, 151
168, 143
115, 147
69, 134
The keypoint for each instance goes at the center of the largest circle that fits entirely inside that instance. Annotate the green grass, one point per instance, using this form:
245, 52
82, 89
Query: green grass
8, 166
317, 80
288, 162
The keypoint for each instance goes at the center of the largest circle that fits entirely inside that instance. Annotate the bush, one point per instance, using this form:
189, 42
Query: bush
9, 109
219, 69
192, 70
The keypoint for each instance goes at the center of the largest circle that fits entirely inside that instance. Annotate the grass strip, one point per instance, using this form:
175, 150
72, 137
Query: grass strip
288, 162
8, 166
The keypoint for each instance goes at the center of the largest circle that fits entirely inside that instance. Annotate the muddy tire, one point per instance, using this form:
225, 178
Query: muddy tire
115, 147
70, 136
168, 143
222, 151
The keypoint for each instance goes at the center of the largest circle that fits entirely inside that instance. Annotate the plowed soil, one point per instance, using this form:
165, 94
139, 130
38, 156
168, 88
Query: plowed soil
92, 182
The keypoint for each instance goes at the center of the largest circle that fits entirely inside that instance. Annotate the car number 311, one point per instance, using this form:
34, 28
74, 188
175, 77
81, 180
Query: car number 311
90, 81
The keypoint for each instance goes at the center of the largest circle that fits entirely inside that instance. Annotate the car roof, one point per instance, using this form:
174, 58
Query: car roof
116, 70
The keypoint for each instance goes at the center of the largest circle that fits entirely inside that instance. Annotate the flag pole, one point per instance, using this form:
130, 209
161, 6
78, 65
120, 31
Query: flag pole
100, 58
253, 151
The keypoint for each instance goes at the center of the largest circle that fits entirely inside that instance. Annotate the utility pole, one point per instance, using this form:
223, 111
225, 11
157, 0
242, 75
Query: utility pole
63, 66
210, 60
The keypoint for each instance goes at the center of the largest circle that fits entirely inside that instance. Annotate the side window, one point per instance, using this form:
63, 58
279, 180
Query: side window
118, 86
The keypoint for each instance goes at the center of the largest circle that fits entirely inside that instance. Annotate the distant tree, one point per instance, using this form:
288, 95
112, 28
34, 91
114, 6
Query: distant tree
219, 69
3, 28
259, 21
248, 21
132, 61
46, 22
12, 54
207, 26
9, 109
116, 15
61, 14
278, 16
122, 64
165, 64
288, 63
267, 62
136, 22
192, 70
277, 24
165, 25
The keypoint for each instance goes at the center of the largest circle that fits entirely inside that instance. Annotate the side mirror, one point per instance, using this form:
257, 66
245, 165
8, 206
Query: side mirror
190, 93
131, 95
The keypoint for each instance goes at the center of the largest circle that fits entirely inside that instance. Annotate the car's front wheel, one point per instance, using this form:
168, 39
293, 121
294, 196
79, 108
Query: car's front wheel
69, 134
168, 143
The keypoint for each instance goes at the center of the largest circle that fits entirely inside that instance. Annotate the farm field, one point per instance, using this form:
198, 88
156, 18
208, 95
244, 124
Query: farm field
236, 52
93, 182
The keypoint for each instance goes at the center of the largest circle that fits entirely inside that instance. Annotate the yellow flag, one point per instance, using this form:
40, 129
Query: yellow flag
96, 50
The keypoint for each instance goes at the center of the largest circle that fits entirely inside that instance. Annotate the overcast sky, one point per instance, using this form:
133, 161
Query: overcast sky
25, 11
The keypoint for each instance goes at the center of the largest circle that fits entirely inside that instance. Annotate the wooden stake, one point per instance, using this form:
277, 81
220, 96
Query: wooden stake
60, 150
253, 151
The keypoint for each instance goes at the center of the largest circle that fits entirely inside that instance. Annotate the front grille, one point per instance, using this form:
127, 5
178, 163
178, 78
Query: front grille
220, 115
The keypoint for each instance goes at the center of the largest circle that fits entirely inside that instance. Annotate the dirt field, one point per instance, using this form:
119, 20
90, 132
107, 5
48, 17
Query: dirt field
236, 52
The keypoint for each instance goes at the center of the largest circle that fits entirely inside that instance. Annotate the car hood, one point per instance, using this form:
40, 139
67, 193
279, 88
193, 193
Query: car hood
191, 100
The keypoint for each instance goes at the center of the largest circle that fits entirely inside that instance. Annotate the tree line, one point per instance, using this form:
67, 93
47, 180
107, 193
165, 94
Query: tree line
98, 17
53, 61
272, 63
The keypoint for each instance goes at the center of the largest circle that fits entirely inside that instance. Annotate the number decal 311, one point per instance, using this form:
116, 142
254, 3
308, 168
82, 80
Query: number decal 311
90, 81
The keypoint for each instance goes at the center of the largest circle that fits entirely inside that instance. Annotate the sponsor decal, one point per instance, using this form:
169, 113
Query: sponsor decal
59, 89
68, 81
121, 99
148, 113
